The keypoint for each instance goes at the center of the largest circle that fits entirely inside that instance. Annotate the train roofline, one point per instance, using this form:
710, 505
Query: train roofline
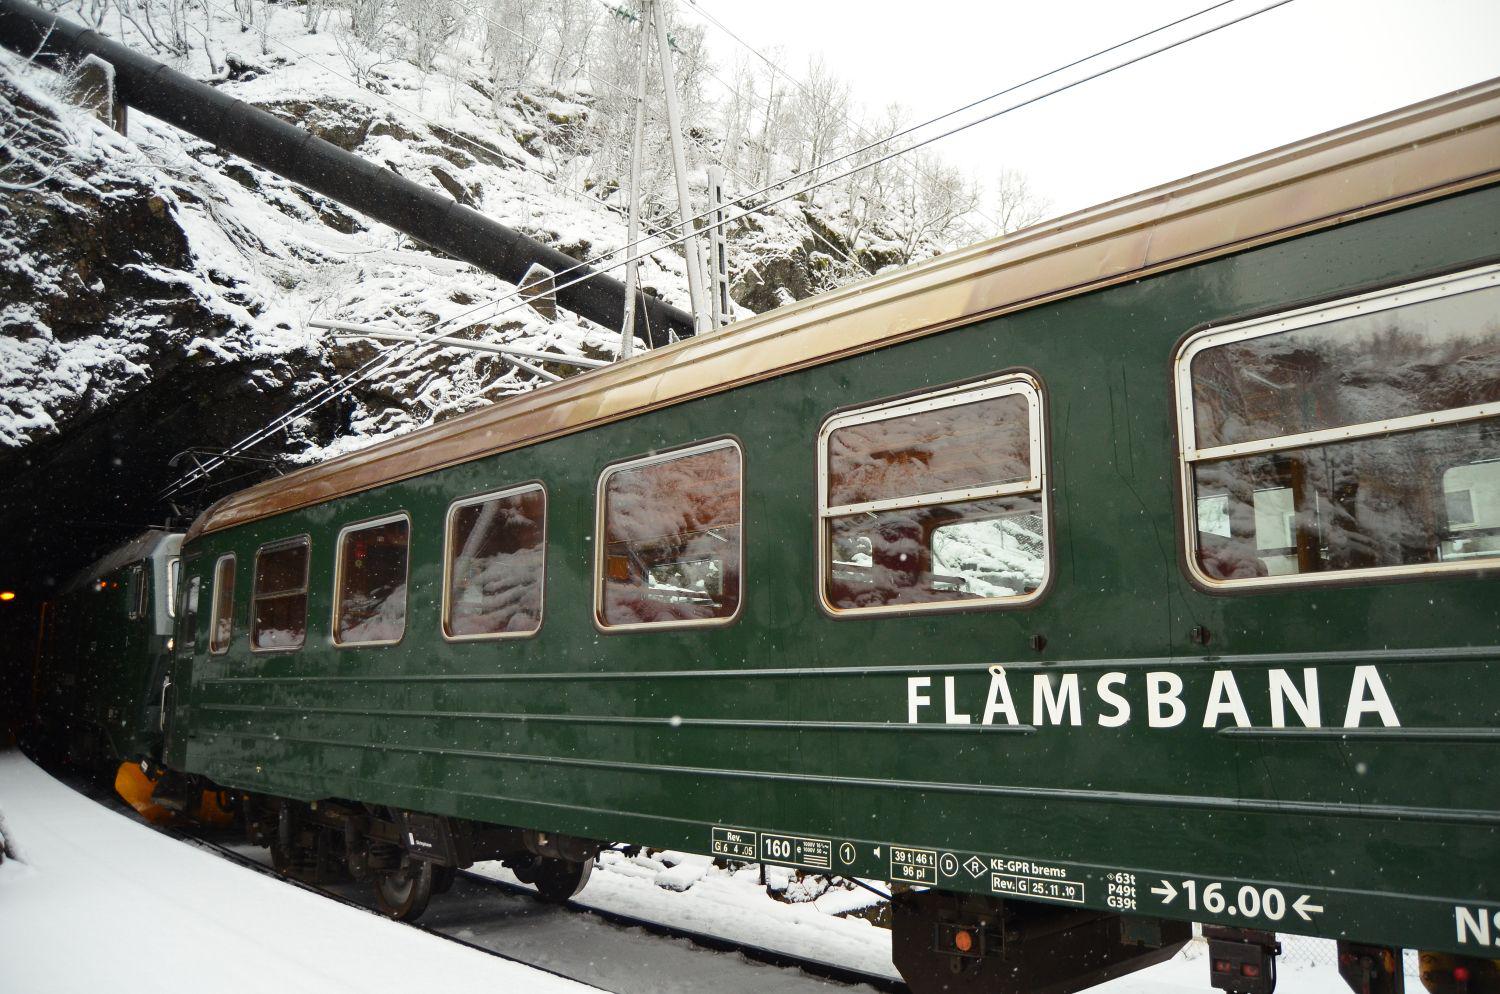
1428, 150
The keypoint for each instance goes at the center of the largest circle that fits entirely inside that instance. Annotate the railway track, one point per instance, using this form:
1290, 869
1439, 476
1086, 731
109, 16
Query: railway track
609, 950
606, 949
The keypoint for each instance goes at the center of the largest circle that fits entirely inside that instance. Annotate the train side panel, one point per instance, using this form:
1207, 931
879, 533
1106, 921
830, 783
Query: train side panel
1085, 749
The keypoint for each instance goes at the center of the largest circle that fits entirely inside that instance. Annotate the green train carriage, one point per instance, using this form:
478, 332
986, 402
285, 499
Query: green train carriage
102, 654
1132, 571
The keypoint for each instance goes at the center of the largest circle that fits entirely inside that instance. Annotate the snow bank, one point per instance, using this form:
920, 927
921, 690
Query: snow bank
96, 901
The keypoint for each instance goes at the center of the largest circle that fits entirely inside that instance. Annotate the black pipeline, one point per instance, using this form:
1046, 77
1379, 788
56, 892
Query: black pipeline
236, 127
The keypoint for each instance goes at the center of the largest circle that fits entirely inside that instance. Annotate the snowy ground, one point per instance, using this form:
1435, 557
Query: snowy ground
96, 900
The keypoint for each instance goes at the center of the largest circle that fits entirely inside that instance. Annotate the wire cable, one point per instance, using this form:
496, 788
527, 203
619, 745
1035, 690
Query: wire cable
307, 407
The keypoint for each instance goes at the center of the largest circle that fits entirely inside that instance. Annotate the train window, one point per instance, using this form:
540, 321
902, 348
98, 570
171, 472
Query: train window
278, 616
369, 605
174, 574
1359, 439
221, 619
135, 592
495, 563
671, 549
936, 501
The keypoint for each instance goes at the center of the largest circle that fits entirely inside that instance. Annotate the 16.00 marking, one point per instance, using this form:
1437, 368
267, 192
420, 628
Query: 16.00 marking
1252, 902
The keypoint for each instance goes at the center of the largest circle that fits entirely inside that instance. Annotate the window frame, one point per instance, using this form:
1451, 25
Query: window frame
174, 576
135, 592
1279, 322
338, 576
481, 498
213, 609
600, 540
285, 543
1014, 382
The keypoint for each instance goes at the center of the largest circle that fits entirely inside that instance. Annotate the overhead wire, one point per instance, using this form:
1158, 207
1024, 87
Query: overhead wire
382, 360
859, 131
307, 407
606, 81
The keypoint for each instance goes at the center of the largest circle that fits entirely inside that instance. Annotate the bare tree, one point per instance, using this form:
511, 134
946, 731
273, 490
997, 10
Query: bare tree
360, 36
1016, 204
430, 25
931, 200
867, 193
819, 115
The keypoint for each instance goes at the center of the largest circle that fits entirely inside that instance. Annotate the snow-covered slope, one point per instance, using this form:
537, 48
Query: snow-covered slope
158, 295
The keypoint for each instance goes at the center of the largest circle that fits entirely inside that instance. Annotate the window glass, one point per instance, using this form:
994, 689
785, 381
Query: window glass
221, 624
279, 615
671, 550
174, 572
495, 564
951, 448
1375, 502
1430, 355
1364, 497
960, 516
135, 592
371, 601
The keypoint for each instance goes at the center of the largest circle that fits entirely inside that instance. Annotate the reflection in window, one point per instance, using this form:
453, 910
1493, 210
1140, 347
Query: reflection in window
935, 500
221, 624
1367, 495
1430, 355
957, 447
1471, 495
278, 617
495, 564
370, 605
1374, 502
671, 550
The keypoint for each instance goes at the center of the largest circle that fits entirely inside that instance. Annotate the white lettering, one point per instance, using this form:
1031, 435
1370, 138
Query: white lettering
915, 700
1305, 702
1114, 700
1472, 924
1163, 688
949, 715
999, 701
1224, 699
1067, 697
1367, 696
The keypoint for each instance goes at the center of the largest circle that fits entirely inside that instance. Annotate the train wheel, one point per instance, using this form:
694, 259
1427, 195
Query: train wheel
442, 878
557, 880
404, 892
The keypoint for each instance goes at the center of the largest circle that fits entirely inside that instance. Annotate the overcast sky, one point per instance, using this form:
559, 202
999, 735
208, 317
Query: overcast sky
1295, 71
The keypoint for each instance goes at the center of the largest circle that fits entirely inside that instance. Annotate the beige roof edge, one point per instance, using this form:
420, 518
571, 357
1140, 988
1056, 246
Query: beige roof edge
1430, 149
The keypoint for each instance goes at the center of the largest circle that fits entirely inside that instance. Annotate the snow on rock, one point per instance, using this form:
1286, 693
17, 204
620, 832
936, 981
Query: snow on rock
101, 277
96, 901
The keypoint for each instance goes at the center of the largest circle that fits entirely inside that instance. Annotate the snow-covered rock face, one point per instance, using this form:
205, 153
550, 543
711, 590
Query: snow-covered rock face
101, 291
111, 298
156, 295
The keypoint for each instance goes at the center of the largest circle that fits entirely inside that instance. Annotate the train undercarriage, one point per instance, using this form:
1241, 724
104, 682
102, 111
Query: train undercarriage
942, 942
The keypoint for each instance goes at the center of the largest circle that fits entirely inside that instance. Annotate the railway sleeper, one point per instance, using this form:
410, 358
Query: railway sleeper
944, 943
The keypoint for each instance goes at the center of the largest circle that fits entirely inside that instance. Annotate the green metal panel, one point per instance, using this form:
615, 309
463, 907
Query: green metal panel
786, 732
101, 667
